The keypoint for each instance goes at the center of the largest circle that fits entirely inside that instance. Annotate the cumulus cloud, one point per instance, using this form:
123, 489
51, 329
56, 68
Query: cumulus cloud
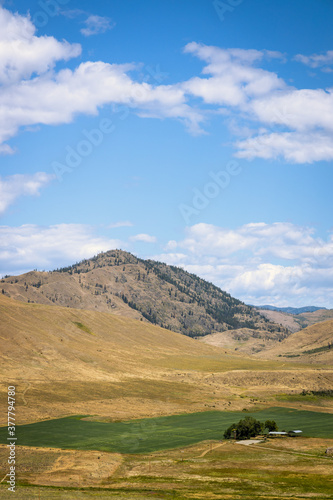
146, 238
234, 80
281, 240
96, 25
84, 90
278, 263
29, 246
292, 146
14, 186
33, 92
302, 110
23, 54
233, 83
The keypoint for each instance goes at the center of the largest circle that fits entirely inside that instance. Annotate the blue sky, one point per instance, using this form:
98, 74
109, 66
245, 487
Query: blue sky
195, 132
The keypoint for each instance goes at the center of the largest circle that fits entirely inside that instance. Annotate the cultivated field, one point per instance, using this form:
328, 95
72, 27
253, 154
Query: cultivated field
151, 435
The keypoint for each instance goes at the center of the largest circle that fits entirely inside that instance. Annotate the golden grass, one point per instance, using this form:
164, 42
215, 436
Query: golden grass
311, 338
129, 368
285, 468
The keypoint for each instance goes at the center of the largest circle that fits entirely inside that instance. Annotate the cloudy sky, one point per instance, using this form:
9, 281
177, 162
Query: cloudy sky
198, 133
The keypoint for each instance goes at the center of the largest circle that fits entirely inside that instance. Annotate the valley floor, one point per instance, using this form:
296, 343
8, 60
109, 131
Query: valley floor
294, 468
65, 362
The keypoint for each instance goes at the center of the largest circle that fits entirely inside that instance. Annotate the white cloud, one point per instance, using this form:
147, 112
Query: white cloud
280, 240
232, 84
234, 80
301, 110
177, 259
5, 149
23, 54
171, 245
96, 25
146, 238
316, 60
306, 116
29, 246
294, 147
278, 263
15, 186
33, 92
236, 83
84, 90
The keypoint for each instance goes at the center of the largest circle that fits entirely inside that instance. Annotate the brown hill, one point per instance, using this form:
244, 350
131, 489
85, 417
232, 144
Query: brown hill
68, 361
122, 284
313, 344
243, 340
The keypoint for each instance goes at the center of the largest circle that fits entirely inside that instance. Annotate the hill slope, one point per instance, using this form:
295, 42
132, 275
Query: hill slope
66, 361
295, 322
120, 283
313, 344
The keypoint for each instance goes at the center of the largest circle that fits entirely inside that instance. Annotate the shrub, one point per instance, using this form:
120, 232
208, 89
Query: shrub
246, 428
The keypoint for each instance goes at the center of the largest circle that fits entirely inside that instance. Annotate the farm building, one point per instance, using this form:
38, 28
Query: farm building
294, 433
283, 433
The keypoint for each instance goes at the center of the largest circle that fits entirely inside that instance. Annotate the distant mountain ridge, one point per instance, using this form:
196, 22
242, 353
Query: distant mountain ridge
120, 283
291, 310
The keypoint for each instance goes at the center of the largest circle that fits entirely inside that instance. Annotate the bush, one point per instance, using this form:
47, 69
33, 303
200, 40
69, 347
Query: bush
246, 428
271, 425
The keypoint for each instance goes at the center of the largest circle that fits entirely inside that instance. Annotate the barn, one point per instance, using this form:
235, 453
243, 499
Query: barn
283, 433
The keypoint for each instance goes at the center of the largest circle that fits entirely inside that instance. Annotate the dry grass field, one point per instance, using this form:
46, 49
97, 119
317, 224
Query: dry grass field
67, 361
280, 468
313, 344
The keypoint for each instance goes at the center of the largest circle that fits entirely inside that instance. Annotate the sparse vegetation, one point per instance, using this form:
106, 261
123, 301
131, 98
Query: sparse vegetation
83, 327
164, 295
131, 369
323, 348
294, 469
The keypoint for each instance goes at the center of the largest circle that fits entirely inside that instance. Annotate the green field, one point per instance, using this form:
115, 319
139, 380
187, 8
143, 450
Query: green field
150, 435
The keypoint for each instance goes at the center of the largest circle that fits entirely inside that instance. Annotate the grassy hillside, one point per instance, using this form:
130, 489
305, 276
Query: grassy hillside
313, 344
243, 340
60, 342
67, 361
122, 284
